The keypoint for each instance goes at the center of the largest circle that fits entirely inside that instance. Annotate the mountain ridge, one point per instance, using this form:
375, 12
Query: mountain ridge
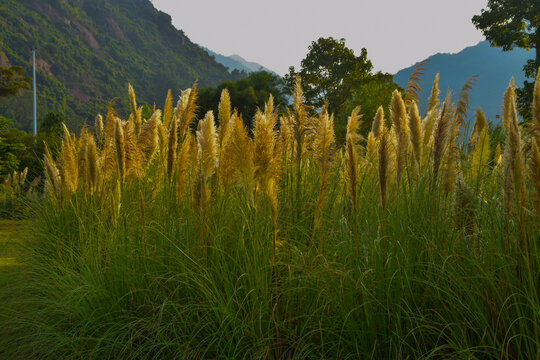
493, 67
237, 62
88, 52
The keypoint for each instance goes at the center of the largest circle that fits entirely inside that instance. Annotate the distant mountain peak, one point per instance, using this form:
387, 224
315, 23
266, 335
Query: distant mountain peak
493, 66
237, 62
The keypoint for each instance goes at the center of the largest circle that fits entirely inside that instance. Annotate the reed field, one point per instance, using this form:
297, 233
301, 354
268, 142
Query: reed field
181, 238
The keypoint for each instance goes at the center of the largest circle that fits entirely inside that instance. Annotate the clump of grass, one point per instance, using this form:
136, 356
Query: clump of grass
156, 241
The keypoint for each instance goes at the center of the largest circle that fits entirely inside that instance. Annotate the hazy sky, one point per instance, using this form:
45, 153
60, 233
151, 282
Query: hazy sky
276, 33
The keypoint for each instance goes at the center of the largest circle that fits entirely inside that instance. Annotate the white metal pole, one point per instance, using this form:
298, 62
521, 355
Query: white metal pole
34, 71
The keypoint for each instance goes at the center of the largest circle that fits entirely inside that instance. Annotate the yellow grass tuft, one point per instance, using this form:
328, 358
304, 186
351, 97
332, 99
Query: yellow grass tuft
224, 114
433, 101
207, 145
92, 164
323, 146
351, 155
171, 149
134, 110
398, 113
440, 136
415, 128
514, 190
167, 110
100, 130
147, 141
378, 122
508, 100
120, 148
479, 144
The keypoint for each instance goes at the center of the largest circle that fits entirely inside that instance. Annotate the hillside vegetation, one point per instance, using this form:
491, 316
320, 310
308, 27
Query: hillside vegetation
88, 51
158, 241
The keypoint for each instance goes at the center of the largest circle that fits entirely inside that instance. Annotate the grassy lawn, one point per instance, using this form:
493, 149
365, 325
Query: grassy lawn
11, 234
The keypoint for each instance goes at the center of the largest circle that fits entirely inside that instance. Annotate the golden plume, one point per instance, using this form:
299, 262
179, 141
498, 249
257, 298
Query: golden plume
299, 123
440, 137
428, 125
266, 166
378, 122
98, 126
81, 147
92, 164
68, 163
514, 187
433, 102
147, 141
53, 183
133, 156
190, 99
479, 144
120, 148
224, 114
509, 98
181, 168
171, 149
415, 128
412, 93
167, 109
207, 145
134, 110
351, 155
463, 101
226, 169
450, 166
110, 121
383, 164
398, 112
323, 146
243, 149
497, 156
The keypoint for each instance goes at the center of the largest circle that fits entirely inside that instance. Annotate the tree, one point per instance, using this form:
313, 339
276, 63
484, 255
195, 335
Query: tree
514, 23
12, 81
373, 92
332, 72
246, 94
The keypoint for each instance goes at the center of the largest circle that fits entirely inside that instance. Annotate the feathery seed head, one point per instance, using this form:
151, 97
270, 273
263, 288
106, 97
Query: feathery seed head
167, 109
434, 101
207, 145
378, 122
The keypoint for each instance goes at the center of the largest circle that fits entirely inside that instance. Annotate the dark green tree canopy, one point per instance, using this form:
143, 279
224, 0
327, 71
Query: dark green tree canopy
247, 94
514, 23
12, 81
511, 23
329, 72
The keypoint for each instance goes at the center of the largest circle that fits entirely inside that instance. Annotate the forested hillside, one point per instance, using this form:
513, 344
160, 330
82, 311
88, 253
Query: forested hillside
88, 51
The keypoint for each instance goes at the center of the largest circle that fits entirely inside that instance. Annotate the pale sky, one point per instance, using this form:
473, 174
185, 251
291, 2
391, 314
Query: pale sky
277, 33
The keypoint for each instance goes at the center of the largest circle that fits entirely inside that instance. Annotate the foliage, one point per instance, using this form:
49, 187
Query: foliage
12, 81
247, 94
165, 243
88, 52
374, 92
332, 72
514, 23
